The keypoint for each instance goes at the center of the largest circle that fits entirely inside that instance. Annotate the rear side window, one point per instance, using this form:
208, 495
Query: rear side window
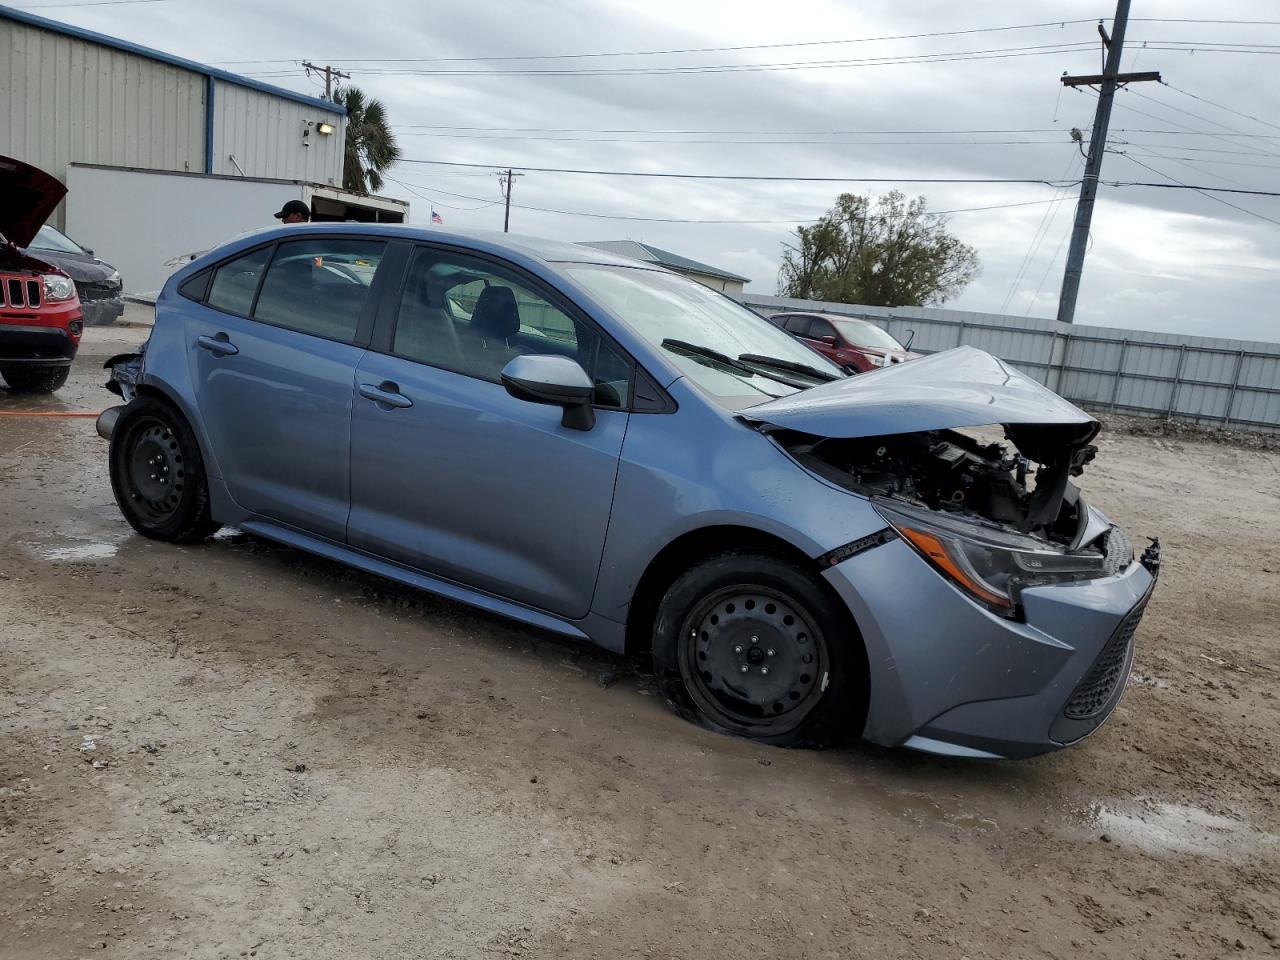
319, 287
798, 325
234, 283
821, 328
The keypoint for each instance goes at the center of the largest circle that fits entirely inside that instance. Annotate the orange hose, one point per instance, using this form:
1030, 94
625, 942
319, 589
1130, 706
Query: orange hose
41, 413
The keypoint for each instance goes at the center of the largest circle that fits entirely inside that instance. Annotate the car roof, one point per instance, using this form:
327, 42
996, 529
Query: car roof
538, 248
836, 317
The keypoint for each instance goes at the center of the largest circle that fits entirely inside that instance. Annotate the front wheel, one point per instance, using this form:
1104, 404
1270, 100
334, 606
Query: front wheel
35, 379
157, 473
750, 644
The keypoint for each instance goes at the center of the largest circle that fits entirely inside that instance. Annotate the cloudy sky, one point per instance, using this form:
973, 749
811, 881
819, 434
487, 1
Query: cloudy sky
845, 105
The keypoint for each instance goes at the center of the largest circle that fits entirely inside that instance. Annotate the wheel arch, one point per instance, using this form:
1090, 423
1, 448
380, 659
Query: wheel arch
159, 391
693, 547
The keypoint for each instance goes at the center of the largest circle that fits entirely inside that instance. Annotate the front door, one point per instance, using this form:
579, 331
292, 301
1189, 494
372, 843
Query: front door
452, 475
274, 348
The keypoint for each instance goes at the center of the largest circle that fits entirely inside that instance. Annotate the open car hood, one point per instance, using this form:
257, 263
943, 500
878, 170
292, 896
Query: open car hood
963, 387
27, 197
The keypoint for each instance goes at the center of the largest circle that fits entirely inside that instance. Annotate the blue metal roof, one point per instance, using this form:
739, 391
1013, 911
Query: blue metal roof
21, 16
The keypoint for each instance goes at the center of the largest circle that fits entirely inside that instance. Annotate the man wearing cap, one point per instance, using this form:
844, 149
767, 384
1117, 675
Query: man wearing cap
295, 211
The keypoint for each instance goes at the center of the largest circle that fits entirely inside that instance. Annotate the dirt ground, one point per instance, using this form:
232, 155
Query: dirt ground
235, 750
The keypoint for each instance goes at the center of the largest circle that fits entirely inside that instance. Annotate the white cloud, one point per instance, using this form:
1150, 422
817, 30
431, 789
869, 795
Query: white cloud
1161, 259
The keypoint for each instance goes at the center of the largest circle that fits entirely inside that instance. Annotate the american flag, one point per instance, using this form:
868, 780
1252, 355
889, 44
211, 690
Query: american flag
435, 217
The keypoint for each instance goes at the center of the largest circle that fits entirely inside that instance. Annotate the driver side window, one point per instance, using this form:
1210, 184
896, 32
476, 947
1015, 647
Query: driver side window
472, 317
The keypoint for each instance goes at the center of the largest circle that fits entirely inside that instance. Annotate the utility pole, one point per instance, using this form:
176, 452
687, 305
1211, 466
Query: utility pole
1107, 82
330, 74
504, 182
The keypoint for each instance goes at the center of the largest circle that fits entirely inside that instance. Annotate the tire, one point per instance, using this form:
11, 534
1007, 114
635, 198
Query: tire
805, 677
157, 473
35, 379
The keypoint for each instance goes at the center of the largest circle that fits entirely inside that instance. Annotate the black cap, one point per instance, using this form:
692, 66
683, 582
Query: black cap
294, 206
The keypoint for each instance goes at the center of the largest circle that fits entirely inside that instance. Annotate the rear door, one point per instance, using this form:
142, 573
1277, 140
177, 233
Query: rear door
273, 351
451, 474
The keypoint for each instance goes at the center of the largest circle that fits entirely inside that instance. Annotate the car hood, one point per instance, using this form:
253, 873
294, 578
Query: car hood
81, 268
27, 197
963, 387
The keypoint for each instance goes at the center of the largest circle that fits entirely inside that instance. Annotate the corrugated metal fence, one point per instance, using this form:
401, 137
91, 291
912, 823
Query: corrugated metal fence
1207, 380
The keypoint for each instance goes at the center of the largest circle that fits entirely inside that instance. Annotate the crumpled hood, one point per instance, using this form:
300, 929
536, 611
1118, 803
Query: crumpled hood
962, 387
81, 269
27, 197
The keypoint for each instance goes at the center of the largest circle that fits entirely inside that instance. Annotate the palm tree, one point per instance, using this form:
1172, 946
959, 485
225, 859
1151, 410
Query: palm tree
371, 146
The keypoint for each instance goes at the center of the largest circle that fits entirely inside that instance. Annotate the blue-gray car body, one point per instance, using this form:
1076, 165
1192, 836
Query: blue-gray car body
459, 486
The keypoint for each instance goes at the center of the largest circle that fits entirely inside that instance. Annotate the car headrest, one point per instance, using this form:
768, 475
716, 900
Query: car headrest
495, 314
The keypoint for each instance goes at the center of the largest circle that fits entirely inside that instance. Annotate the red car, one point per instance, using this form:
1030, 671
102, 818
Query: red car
855, 345
40, 317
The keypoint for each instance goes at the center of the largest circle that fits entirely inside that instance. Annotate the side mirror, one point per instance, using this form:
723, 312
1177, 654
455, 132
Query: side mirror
553, 380
829, 340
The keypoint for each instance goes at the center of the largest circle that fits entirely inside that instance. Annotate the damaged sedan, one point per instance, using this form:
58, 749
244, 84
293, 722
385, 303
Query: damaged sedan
612, 452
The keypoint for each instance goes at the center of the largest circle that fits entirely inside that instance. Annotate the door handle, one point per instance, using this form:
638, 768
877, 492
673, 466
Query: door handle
385, 394
219, 345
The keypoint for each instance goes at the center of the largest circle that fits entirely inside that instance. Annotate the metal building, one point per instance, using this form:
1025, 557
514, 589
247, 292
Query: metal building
69, 95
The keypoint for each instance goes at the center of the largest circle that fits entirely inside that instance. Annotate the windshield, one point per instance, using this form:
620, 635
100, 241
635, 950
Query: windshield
867, 335
48, 238
663, 306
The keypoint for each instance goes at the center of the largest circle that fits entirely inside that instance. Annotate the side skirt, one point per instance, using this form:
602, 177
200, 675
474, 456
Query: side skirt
414, 578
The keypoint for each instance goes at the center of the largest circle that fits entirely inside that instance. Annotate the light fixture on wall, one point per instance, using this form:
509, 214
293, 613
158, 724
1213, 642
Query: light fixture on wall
324, 128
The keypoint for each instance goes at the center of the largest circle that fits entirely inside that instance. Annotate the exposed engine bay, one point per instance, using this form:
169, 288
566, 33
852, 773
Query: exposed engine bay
952, 472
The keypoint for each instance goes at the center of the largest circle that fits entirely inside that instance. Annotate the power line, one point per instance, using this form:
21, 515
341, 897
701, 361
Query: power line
780, 179
1169, 146
834, 133
1037, 237
798, 133
1179, 185
1216, 123
1219, 106
1201, 191
727, 176
1000, 53
706, 140
679, 50
608, 216
1184, 163
1245, 23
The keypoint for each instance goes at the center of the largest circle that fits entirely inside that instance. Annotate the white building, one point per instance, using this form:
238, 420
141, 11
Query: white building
161, 153
704, 273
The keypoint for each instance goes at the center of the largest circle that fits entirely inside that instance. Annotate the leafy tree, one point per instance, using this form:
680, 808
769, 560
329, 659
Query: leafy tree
887, 253
371, 146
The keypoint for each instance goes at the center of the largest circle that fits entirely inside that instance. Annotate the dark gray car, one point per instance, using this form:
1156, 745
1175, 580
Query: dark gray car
98, 283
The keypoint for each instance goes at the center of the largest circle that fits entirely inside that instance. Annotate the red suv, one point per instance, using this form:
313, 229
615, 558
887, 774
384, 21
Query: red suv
855, 345
40, 318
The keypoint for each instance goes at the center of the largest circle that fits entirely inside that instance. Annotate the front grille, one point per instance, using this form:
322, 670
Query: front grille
1095, 690
1119, 552
19, 293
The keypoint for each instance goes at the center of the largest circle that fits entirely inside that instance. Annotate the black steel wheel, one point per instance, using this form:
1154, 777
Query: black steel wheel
157, 474
752, 645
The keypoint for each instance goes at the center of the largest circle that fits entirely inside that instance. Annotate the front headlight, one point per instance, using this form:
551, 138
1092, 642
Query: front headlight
57, 288
114, 280
989, 564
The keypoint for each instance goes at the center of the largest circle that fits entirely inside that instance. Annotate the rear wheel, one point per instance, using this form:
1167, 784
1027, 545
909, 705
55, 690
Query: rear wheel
752, 645
157, 473
35, 379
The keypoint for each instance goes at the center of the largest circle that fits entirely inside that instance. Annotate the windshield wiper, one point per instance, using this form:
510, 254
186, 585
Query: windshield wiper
708, 353
780, 364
